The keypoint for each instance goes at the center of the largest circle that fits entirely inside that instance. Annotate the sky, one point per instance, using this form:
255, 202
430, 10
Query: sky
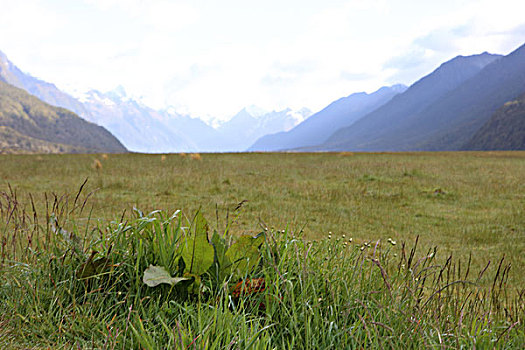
209, 59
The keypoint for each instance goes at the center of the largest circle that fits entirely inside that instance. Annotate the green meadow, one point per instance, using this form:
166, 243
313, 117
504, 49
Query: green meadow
461, 202
356, 234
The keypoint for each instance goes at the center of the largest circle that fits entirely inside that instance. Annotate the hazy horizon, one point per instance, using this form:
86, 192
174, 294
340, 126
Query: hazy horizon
209, 60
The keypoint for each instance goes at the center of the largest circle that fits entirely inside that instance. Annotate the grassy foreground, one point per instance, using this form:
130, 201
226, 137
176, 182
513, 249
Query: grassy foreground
322, 290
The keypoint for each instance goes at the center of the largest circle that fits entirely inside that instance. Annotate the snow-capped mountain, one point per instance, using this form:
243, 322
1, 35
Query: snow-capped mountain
139, 127
239, 133
144, 129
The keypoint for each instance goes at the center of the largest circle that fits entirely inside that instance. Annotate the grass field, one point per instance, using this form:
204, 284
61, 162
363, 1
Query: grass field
469, 205
461, 202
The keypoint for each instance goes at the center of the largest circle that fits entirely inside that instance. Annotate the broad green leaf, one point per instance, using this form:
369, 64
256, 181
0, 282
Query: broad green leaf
220, 249
224, 264
93, 267
197, 252
155, 275
244, 254
200, 225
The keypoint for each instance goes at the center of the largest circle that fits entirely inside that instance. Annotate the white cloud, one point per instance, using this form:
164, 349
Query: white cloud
170, 16
163, 15
27, 19
212, 58
472, 28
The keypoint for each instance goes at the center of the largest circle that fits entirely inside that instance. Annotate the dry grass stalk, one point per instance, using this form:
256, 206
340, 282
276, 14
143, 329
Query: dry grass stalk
97, 165
346, 154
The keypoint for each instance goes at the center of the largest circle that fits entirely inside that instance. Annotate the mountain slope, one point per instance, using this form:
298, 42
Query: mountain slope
11, 141
505, 130
395, 125
140, 128
29, 120
462, 112
318, 127
202, 136
47, 92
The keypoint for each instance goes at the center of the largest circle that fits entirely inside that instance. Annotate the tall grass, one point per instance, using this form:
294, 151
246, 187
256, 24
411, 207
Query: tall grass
329, 293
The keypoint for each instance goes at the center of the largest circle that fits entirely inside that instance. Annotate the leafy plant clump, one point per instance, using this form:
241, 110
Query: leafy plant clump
166, 252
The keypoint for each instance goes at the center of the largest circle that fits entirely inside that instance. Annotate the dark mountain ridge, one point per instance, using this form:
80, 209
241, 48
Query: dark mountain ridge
391, 126
462, 112
29, 124
505, 130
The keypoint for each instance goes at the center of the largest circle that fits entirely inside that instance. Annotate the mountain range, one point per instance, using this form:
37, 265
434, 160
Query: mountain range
29, 125
469, 102
144, 129
140, 128
321, 125
441, 111
255, 127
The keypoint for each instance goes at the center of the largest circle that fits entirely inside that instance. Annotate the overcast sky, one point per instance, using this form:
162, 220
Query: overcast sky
211, 58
